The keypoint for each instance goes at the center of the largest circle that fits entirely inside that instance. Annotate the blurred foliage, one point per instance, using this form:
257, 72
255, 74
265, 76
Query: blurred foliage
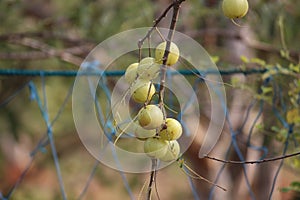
281, 91
88, 19
294, 186
92, 21
266, 15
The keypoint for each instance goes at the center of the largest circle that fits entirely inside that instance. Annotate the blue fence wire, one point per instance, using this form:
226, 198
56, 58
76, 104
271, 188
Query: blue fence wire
105, 122
44, 111
289, 127
44, 140
48, 138
234, 145
72, 73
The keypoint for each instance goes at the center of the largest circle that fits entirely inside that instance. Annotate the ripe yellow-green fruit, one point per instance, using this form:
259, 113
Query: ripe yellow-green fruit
131, 73
150, 117
173, 53
134, 129
172, 151
172, 131
142, 91
235, 8
142, 133
148, 69
155, 147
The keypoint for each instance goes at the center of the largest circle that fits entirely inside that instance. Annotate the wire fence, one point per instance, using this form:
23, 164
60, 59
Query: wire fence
47, 140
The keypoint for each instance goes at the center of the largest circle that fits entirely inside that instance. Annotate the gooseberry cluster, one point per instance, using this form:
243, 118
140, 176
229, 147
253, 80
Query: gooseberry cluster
158, 132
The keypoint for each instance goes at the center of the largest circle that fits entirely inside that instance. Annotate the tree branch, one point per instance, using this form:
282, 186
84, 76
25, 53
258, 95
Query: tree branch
50, 51
33, 55
255, 44
152, 178
176, 5
45, 35
254, 161
166, 53
156, 22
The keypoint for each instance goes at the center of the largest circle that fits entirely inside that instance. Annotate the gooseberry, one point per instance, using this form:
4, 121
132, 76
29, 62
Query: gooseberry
235, 8
142, 91
134, 129
172, 151
131, 73
173, 53
172, 131
150, 117
155, 147
148, 69
142, 133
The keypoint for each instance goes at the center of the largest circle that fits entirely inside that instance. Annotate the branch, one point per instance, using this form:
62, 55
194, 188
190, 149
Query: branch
156, 22
50, 51
254, 161
176, 6
33, 55
45, 35
167, 50
152, 178
255, 44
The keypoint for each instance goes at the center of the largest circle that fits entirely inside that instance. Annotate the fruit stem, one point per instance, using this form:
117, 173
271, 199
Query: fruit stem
235, 23
152, 178
191, 173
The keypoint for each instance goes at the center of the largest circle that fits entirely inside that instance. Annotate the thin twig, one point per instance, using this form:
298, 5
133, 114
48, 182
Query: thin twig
254, 161
142, 189
252, 43
152, 178
33, 55
155, 185
156, 22
45, 35
195, 175
35, 44
166, 53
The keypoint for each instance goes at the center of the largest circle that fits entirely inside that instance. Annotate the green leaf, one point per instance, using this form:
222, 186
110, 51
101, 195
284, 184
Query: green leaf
235, 81
282, 53
244, 59
269, 73
275, 129
296, 163
258, 61
287, 189
295, 68
266, 90
215, 59
283, 70
294, 186
259, 126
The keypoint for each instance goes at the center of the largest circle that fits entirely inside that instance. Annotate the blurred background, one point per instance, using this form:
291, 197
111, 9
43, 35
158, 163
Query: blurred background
58, 35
